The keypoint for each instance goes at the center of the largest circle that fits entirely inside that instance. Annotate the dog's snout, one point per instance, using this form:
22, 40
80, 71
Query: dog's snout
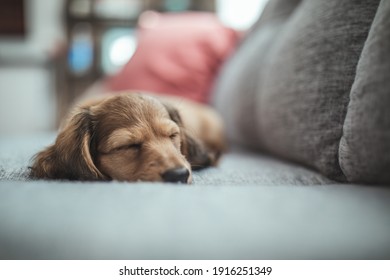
176, 175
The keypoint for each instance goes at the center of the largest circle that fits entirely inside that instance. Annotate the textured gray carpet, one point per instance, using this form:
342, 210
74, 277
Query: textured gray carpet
251, 207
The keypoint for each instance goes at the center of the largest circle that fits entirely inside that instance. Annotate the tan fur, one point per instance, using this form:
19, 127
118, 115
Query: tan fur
131, 137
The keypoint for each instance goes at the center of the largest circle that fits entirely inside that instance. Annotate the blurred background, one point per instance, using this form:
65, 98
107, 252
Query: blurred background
51, 51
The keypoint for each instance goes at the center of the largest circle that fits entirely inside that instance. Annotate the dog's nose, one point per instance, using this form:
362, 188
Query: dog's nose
176, 175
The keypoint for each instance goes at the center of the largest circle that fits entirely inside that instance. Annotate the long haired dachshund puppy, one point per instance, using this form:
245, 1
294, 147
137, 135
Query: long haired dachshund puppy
133, 137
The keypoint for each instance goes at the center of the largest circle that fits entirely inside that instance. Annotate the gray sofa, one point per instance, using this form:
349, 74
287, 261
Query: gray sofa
304, 99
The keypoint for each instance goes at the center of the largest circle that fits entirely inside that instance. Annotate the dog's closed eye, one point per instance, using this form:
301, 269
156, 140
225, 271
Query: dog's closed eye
174, 135
132, 146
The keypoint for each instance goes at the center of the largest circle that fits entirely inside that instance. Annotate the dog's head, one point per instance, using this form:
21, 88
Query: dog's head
127, 137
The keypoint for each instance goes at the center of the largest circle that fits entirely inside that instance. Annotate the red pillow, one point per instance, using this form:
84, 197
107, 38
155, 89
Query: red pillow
177, 54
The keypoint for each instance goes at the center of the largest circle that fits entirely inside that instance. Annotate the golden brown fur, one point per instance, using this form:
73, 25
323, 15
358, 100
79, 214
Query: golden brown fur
131, 137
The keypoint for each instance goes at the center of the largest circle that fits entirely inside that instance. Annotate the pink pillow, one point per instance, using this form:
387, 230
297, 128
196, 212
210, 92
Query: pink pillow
177, 54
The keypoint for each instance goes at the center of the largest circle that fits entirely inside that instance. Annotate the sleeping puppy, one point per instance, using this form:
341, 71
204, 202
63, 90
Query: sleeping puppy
133, 137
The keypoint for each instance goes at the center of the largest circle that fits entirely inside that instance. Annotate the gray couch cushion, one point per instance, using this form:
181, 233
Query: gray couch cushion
287, 88
70, 220
250, 207
365, 145
238, 86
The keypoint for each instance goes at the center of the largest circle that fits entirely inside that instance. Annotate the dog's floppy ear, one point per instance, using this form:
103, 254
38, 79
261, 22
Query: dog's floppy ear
194, 151
71, 157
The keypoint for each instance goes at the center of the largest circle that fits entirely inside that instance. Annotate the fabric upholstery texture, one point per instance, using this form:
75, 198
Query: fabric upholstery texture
250, 207
308, 74
365, 145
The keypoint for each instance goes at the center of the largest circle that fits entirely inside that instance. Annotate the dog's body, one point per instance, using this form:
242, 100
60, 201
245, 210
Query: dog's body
133, 137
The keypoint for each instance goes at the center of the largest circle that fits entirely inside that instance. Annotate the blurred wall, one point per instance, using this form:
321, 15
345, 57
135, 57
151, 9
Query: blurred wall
27, 97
